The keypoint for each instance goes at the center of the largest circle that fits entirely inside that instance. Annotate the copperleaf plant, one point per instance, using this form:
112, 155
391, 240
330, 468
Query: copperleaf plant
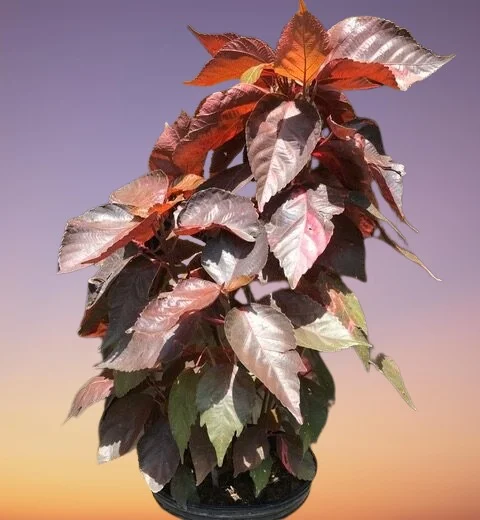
197, 381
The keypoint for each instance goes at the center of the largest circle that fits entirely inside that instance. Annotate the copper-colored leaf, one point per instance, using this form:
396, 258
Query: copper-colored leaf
96, 234
250, 449
302, 48
219, 118
185, 184
94, 390
232, 262
158, 455
369, 52
213, 42
203, 453
300, 230
219, 208
142, 194
122, 425
159, 322
264, 341
281, 135
167, 143
233, 60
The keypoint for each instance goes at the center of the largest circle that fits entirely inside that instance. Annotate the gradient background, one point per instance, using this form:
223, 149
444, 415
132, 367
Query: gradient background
85, 90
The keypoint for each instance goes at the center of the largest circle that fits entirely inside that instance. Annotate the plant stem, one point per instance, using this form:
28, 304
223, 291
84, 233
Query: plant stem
215, 478
249, 294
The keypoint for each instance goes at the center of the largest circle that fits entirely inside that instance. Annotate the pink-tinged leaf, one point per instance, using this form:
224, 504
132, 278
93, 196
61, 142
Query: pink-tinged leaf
225, 398
377, 52
122, 425
290, 452
301, 229
219, 118
213, 42
315, 326
158, 324
264, 341
218, 208
233, 179
98, 233
95, 319
93, 391
281, 135
203, 453
158, 455
232, 262
250, 449
302, 48
233, 60
142, 194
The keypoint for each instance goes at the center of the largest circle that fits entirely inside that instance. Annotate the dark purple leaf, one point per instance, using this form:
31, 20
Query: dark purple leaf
203, 453
122, 425
290, 452
233, 179
158, 455
183, 488
225, 154
250, 449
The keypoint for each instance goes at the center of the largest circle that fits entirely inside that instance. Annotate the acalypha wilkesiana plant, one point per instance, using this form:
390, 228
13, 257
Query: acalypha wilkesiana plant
198, 374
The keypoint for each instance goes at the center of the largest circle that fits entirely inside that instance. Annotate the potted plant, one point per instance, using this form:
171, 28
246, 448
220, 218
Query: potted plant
221, 392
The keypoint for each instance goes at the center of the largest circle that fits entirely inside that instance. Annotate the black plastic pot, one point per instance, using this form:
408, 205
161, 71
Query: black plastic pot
267, 511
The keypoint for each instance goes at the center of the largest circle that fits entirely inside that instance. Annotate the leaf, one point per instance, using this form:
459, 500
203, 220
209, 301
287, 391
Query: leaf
159, 323
127, 381
362, 201
372, 51
232, 262
314, 405
252, 75
297, 463
300, 230
182, 487
264, 341
331, 102
315, 326
122, 425
261, 475
233, 179
168, 141
390, 370
215, 207
406, 253
203, 453
213, 42
320, 375
127, 297
302, 48
225, 154
225, 397
345, 253
158, 455
94, 390
232, 60
182, 408
250, 449
95, 319
186, 184
142, 194
220, 117
343, 303
281, 135
96, 234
